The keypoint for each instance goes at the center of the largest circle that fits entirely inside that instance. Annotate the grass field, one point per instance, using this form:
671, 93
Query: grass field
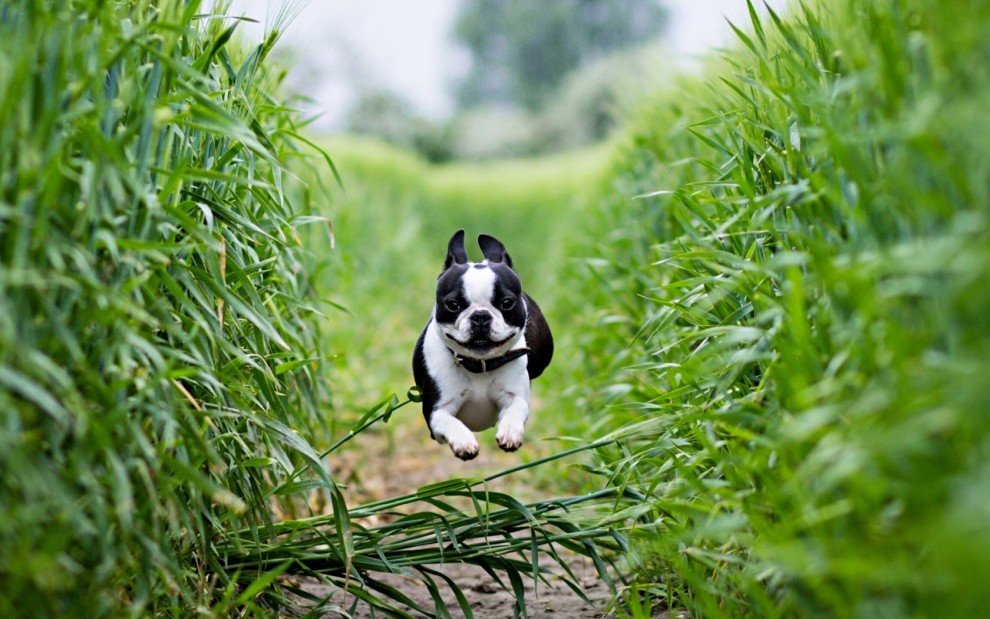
769, 297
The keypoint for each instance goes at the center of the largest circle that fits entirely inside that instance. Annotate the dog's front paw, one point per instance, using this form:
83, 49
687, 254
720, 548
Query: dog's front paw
463, 443
509, 436
465, 451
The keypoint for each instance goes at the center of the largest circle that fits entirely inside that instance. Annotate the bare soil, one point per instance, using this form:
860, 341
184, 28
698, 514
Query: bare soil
489, 600
400, 458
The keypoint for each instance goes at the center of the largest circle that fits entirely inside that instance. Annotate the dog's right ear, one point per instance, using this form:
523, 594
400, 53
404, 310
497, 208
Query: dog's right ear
455, 251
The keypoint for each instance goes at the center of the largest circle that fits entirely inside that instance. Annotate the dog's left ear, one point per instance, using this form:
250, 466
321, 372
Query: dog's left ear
493, 250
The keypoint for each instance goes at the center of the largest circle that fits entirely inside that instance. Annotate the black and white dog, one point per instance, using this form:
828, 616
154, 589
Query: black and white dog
483, 344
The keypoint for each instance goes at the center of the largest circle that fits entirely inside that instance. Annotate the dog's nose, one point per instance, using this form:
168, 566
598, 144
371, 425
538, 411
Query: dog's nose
481, 319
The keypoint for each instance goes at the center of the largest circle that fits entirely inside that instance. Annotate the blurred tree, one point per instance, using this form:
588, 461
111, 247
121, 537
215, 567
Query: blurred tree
521, 50
387, 115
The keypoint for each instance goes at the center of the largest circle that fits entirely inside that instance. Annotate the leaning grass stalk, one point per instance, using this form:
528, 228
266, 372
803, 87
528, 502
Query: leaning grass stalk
488, 539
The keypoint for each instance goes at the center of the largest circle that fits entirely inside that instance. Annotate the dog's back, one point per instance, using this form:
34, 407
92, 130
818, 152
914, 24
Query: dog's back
538, 339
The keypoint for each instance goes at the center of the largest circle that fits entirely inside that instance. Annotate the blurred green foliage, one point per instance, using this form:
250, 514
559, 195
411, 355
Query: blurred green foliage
545, 77
392, 224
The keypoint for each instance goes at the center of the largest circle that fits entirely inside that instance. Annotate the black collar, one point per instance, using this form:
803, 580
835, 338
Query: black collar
480, 366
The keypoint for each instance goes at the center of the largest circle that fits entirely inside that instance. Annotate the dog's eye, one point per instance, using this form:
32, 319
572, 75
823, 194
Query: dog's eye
507, 303
453, 305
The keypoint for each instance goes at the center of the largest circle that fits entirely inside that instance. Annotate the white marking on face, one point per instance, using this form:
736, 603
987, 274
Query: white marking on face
478, 288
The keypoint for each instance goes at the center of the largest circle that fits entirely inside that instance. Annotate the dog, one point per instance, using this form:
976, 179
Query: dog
484, 343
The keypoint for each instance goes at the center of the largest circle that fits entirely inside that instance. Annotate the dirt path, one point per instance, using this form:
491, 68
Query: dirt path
400, 458
488, 600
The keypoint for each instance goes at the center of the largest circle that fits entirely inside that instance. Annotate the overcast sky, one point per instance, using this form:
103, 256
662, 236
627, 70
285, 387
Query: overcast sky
338, 46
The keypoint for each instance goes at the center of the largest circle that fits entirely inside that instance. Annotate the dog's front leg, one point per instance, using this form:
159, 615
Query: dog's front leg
449, 429
512, 422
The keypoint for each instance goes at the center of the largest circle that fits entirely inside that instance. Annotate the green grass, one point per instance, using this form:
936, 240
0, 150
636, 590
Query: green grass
797, 252
155, 337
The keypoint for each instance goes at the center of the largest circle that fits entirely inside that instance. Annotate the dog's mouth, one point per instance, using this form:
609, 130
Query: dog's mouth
479, 343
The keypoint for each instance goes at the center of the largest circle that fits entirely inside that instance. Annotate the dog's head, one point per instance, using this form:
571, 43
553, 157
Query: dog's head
480, 308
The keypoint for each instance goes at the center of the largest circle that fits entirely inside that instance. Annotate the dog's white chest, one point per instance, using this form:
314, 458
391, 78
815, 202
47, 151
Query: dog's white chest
475, 399
479, 411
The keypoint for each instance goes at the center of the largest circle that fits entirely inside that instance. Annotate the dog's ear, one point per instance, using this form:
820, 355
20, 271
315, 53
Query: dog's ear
493, 250
455, 251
